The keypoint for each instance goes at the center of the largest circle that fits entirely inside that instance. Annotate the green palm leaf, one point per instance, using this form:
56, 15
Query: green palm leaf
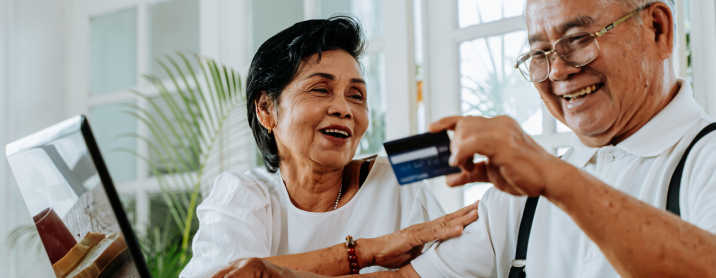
196, 125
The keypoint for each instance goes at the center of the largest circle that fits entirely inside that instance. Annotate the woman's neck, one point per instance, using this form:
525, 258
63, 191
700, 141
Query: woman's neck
311, 187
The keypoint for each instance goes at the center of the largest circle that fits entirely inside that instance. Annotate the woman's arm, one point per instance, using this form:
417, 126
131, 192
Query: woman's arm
330, 261
255, 267
391, 251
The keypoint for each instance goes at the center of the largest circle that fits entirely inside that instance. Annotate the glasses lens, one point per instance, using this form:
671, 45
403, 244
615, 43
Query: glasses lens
578, 49
533, 65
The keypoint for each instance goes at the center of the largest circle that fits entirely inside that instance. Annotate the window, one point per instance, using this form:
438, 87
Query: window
125, 41
470, 60
173, 26
109, 125
474, 12
114, 51
491, 86
268, 17
126, 38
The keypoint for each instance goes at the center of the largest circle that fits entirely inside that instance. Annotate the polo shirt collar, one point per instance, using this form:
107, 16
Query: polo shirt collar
663, 131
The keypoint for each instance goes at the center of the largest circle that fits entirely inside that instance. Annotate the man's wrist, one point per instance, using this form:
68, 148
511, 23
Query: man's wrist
560, 174
564, 182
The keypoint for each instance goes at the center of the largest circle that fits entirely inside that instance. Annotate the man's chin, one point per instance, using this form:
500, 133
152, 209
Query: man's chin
593, 137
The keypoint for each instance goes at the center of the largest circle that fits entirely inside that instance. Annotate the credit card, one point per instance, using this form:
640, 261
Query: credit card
420, 157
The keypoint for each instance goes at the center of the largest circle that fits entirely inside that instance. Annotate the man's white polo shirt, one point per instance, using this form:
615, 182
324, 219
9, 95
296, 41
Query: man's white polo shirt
641, 166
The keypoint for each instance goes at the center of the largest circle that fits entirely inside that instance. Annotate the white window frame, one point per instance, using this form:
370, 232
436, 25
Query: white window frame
703, 40
442, 58
225, 29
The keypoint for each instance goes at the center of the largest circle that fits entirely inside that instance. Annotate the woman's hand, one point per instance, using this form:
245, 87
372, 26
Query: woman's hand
255, 267
515, 163
397, 249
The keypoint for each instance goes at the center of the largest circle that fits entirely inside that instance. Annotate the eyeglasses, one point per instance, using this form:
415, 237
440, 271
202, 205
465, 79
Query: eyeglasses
577, 50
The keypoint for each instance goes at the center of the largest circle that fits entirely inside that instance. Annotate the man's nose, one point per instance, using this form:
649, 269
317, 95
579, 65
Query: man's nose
560, 70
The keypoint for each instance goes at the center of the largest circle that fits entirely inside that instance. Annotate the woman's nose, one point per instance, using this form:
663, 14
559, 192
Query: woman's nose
339, 107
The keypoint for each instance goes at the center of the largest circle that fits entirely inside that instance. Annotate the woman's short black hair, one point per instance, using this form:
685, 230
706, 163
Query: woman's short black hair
278, 59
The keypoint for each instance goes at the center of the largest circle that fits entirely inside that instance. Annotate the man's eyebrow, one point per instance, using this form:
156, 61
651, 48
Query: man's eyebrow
579, 21
333, 77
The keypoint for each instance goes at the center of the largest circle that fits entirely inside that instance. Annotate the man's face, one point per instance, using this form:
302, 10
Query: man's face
622, 72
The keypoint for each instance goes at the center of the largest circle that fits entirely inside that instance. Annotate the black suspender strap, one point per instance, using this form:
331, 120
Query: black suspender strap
523, 237
672, 205
672, 197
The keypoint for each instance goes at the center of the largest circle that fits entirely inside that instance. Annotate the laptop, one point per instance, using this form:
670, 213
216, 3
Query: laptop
75, 207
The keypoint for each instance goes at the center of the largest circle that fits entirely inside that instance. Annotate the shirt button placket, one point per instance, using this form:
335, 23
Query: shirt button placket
608, 157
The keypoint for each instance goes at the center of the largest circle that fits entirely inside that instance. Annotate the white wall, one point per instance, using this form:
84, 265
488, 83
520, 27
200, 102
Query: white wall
31, 98
5, 192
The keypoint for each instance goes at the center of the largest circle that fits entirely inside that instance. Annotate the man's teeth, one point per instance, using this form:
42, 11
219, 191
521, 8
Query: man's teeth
337, 131
585, 91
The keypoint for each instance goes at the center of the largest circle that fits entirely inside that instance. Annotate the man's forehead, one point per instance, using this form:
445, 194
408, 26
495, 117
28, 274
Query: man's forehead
556, 17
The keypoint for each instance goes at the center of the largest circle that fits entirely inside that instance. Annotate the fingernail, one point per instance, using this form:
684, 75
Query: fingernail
458, 229
452, 160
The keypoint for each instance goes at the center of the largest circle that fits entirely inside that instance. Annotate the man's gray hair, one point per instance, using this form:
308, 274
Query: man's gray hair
631, 5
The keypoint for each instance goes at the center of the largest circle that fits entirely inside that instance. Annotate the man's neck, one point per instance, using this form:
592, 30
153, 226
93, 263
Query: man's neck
644, 114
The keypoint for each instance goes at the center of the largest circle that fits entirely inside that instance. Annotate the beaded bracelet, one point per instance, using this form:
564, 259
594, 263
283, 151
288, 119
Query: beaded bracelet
352, 259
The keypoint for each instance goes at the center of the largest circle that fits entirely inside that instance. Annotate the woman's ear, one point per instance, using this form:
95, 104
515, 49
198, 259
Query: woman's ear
264, 111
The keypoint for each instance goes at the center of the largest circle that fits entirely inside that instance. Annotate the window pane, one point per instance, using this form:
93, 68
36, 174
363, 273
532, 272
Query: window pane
109, 123
473, 12
114, 52
161, 219
174, 26
370, 13
491, 86
687, 33
129, 203
172, 154
272, 16
373, 139
561, 128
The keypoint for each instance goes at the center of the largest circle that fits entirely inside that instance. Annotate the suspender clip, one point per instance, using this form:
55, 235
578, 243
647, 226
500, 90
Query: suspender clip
519, 263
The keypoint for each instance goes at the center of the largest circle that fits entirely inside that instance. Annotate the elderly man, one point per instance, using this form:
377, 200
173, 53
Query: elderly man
602, 207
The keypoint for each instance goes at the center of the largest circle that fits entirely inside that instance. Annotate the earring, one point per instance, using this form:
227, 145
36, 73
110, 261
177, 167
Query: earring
270, 129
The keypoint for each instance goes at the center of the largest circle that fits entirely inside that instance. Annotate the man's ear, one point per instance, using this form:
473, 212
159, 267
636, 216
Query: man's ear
264, 111
662, 24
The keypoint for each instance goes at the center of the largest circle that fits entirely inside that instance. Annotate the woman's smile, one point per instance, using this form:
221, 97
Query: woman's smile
337, 134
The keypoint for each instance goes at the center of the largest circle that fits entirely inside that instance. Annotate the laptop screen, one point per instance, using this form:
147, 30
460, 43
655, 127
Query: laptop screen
68, 191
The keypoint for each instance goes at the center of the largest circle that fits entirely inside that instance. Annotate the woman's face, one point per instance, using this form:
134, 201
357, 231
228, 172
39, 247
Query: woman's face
323, 112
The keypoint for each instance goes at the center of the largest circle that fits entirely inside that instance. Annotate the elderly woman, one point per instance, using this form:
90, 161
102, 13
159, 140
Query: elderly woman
307, 107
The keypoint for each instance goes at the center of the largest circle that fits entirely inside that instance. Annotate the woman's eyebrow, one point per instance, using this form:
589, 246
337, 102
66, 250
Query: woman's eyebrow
322, 74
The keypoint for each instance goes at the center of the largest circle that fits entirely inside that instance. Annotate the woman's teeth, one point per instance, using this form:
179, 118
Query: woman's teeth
336, 131
582, 92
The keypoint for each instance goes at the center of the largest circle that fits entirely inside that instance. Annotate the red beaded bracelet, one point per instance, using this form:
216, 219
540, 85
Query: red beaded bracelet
352, 259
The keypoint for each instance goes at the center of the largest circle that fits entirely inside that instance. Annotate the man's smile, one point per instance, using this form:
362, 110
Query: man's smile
582, 92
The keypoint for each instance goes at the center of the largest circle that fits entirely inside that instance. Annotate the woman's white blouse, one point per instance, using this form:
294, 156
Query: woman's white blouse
251, 215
